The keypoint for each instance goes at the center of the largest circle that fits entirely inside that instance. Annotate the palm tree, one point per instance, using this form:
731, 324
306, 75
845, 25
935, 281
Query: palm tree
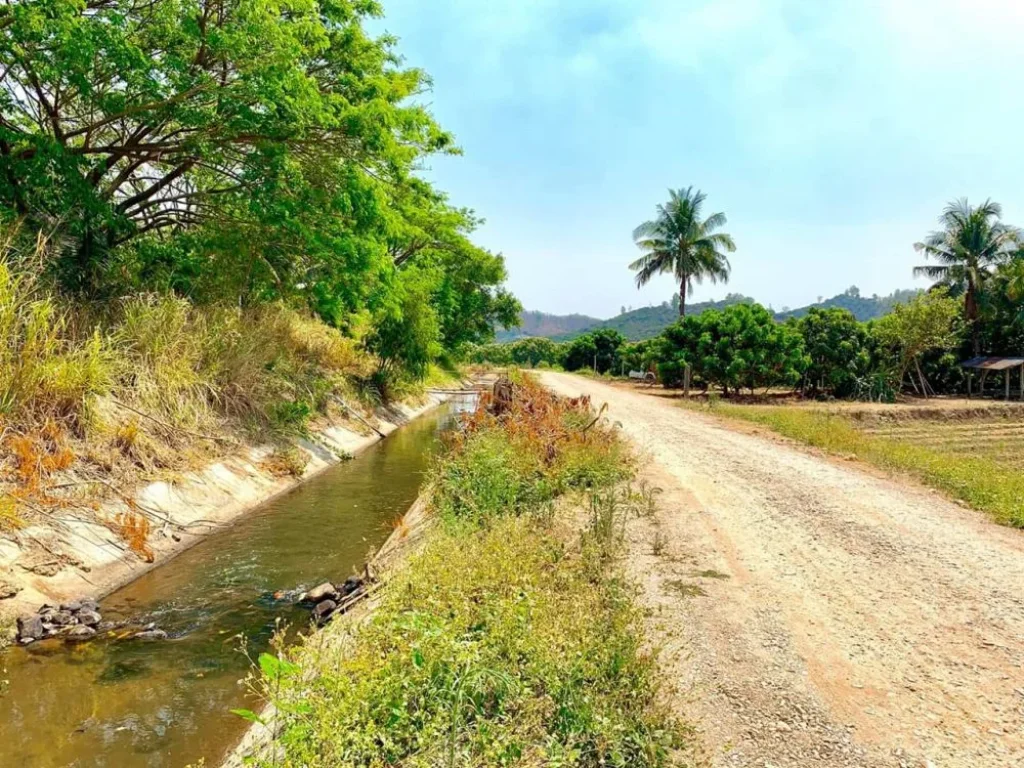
971, 242
679, 242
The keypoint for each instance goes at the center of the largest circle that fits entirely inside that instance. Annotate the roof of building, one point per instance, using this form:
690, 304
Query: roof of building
993, 363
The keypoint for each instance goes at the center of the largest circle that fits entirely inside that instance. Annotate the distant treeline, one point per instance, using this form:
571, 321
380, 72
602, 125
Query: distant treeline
917, 347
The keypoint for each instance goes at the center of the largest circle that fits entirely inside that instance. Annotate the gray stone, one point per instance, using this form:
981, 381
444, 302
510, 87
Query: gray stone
89, 618
30, 628
325, 591
61, 619
72, 606
150, 634
79, 632
88, 604
323, 610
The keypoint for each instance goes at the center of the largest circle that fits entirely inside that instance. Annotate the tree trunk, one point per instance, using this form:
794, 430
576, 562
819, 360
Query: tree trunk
971, 311
682, 297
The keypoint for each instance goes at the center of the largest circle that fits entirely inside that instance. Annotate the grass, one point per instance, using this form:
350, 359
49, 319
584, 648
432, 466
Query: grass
511, 639
976, 470
150, 385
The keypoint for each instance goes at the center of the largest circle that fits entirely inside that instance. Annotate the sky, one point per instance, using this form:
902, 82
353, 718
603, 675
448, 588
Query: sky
831, 132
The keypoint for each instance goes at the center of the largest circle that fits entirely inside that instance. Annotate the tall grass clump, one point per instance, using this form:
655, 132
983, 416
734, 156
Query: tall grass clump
45, 373
525, 452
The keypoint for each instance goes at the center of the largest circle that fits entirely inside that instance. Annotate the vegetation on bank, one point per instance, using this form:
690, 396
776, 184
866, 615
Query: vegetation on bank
973, 469
211, 224
511, 639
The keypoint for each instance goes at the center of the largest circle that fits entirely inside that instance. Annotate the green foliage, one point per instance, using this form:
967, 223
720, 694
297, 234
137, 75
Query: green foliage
929, 322
837, 350
598, 349
971, 243
504, 642
741, 346
681, 243
240, 153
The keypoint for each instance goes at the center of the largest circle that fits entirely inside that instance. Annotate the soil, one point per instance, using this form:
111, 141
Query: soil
811, 613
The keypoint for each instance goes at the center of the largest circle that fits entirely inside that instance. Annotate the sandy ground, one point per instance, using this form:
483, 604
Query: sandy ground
810, 613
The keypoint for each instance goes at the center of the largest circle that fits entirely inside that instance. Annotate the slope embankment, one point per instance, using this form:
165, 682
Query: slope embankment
64, 555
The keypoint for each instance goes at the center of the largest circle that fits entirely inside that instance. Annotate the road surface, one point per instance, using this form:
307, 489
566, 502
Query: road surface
813, 613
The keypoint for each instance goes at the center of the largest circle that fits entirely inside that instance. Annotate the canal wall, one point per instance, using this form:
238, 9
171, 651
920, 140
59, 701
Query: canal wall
75, 557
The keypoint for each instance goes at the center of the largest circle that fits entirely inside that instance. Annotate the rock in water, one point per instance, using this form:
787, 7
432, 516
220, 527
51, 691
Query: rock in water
80, 632
323, 610
89, 618
30, 628
71, 607
325, 591
150, 634
88, 604
352, 583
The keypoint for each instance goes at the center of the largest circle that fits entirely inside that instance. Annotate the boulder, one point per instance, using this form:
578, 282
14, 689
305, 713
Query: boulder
88, 604
79, 633
72, 606
30, 628
150, 634
351, 585
323, 610
325, 591
61, 619
88, 618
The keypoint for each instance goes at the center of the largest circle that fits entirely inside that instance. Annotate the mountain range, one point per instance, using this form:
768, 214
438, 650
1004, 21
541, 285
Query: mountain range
647, 322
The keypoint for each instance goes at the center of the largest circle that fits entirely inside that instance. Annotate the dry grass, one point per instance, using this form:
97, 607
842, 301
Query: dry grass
149, 386
974, 456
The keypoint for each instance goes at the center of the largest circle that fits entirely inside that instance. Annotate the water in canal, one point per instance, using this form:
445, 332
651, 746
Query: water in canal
134, 703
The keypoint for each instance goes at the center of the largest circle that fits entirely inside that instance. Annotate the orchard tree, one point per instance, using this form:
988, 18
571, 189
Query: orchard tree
927, 323
598, 349
740, 346
837, 350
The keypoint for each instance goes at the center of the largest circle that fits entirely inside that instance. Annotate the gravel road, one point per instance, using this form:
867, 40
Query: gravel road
812, 613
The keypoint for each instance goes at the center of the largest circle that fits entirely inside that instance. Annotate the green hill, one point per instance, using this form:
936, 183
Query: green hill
647, 322
549, 326
863, 308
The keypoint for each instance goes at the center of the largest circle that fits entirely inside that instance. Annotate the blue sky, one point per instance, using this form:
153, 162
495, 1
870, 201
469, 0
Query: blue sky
831, 132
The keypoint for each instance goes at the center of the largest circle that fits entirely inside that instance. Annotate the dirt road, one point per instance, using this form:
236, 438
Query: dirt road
812, 613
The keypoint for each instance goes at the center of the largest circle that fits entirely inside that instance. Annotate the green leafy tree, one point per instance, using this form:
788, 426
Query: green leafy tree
248, 121
682, 243
837, 350
406, 335
740, 346
970, 244
928, 323
598, 348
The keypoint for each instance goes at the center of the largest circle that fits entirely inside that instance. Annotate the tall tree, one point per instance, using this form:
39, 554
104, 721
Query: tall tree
681, 243
254, 119
971, 243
